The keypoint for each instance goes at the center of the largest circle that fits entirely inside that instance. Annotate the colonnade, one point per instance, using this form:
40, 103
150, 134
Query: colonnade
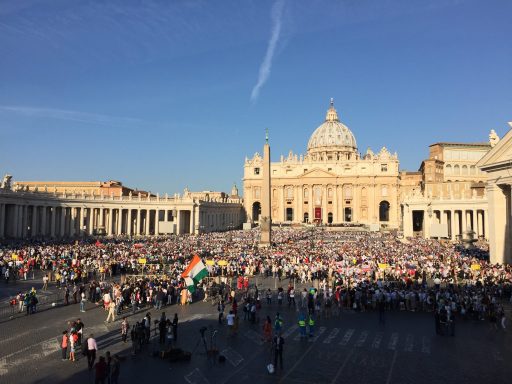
29, 215
449, 223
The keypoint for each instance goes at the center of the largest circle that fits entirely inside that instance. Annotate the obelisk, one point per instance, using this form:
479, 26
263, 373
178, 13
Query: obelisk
266, 217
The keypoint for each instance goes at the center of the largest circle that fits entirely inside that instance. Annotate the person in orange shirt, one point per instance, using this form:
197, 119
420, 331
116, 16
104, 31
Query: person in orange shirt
64, 345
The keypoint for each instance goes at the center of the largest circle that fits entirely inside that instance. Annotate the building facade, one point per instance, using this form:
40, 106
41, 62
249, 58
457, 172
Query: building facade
330, 184
497, 163
28, 214
450, 199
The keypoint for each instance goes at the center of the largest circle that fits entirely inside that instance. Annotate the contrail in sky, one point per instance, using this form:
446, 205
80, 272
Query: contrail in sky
266, 65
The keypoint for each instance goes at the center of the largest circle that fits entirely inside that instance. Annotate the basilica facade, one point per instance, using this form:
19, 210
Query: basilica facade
330, 184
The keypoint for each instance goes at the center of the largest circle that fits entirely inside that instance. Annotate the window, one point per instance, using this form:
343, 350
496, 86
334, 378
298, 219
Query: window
464, 169
256, 171
306, 193
257, 192
384, 191
456, 170
289, 193
383, 167
448, 169
329, 192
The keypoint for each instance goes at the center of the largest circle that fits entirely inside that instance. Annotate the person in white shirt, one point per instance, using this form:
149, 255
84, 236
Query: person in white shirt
92, 347
230, 318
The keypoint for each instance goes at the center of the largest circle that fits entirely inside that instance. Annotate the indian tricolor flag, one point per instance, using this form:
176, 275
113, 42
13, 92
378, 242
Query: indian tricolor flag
194, 273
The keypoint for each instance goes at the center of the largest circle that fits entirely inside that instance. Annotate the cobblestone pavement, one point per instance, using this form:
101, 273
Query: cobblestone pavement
351, 348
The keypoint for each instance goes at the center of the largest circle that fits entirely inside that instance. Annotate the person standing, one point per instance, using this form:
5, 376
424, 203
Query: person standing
82, 302
79, 326
92, 347
230, 318
278, 344
115, 370
64, 345
302, 325
111, 312
45, 282
175, 327
101, 371
124, 329
311, 324
66, 295
162, 328
72, 345
267, 330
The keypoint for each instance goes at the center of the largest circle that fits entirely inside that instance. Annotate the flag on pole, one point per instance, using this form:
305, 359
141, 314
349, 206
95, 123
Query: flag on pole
191, 285
194, 273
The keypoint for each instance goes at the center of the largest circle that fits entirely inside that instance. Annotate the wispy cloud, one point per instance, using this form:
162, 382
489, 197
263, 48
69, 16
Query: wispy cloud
266, 65
69, 115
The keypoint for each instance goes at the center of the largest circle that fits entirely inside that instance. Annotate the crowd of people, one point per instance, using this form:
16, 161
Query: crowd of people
356, 270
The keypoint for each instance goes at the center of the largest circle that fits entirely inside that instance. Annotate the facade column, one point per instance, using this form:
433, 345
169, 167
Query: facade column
479, 223
34, 221
499, 212
43, 220
137, 228
355, 204
324, 204
299, 213
335, 204
311, 203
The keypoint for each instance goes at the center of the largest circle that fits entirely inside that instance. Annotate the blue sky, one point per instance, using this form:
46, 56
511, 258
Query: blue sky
166, 94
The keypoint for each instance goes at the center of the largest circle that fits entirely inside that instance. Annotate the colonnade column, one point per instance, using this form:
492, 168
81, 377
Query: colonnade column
34, 229
2, 220
62, 227
192, 219
109, 221
157, 224
15, 221
464, 222
178, 222
101, 223
485, 226
148, 221
90, 221
52, 221
79, 220
452, 224
119, 221
72, 221
43, 220
137, 227
129, 222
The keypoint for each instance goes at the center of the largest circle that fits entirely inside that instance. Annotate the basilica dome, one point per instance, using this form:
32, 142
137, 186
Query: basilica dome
332, 135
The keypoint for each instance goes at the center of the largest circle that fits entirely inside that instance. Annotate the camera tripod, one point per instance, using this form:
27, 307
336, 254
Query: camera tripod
203, 339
